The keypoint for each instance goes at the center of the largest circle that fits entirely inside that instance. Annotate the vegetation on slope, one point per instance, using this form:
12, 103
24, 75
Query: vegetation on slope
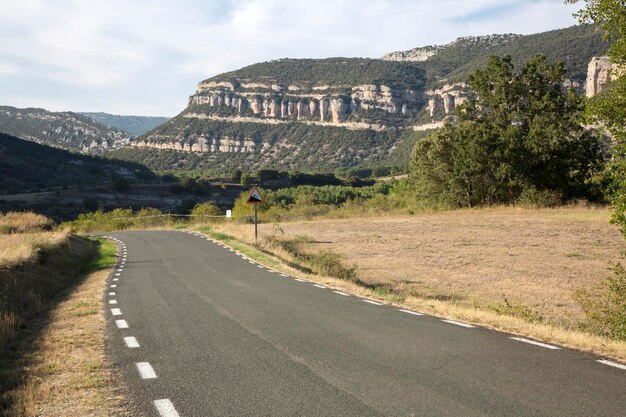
574, 46
330, 71
64, 130
135, 125
295, 146
26, 166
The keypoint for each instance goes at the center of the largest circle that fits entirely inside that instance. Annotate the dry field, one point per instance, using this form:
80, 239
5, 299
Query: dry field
67, 373
535, 257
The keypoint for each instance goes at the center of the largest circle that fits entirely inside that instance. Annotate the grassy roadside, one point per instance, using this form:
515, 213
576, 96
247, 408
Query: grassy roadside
55, 364
512, 318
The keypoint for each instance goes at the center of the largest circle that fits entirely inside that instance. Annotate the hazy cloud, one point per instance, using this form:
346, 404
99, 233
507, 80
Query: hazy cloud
146, 56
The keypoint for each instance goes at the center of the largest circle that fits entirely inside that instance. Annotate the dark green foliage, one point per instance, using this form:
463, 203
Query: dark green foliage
247, 179
575, 46
334, 71
120, 184
522, 132
26, 166
236, 175
91, 203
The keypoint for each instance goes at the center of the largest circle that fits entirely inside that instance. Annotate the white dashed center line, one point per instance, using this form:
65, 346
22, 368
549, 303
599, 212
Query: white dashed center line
121, 324
112, 301
415, 313
299, 280
116, 311
342, 293
532, 342
145, 370
112, 293
319, 286
458, 323
115, 279
372, 302
131, 342
165, 408
613, 364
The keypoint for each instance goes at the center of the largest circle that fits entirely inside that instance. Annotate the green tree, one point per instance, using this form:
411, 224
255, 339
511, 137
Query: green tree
520, 132
605, 305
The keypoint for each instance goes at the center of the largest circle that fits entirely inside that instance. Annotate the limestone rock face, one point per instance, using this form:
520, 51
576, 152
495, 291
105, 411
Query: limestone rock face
599, 73
321, 104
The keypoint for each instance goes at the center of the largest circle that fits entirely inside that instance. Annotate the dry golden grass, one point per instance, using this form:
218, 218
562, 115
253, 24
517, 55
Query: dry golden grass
23, 222
19, 248
458, 264
536, 257
68, 373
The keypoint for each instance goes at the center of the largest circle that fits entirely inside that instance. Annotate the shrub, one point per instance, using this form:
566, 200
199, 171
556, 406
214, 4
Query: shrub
530, 197
23, 222
605, 305
206, 212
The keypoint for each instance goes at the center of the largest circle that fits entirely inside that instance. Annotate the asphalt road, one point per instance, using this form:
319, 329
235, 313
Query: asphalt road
219, 336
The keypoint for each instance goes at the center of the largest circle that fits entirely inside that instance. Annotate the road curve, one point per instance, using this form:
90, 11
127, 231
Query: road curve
197, 330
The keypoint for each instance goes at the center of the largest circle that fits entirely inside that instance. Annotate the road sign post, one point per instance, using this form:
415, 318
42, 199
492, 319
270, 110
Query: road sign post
255, 199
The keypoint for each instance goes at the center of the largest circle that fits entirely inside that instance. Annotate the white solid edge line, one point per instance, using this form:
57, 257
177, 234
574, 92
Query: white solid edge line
145, 370
458, 323
372, 302
112, 301
319, 286
131, 342
415, 313
613, 364
116, 311
532, 342
342, 293
165, 408
122, 324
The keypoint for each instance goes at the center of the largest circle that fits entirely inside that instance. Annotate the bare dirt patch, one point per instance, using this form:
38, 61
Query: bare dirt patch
535, 257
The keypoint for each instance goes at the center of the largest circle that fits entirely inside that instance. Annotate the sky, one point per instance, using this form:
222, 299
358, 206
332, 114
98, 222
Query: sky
145, 57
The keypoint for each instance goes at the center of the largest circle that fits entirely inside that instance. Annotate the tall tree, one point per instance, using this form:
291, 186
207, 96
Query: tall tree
521, 132
609, 107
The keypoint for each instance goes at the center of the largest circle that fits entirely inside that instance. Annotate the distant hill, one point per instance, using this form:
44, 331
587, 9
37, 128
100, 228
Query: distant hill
324, 114
453, 62
135, 125
27, 167
65, 130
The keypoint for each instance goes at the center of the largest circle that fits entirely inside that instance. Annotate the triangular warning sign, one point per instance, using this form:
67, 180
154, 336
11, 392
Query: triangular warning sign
255, 197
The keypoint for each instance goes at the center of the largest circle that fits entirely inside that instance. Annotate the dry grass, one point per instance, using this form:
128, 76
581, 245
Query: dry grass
534, 257
19, 248
67, 373
459, 264
23, 222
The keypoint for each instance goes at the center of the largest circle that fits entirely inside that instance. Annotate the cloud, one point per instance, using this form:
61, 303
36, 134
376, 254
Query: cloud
148, 55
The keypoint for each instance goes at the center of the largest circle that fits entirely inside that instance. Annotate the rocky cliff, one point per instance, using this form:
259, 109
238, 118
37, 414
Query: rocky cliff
337, 112
424, 52
599, 73
64, 130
